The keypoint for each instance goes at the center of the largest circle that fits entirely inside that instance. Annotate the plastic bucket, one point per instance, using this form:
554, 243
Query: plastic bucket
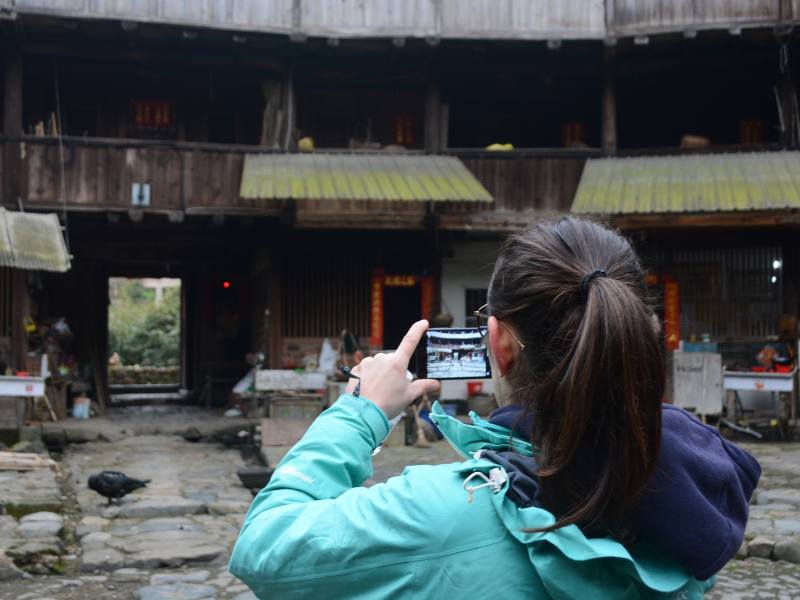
474, 388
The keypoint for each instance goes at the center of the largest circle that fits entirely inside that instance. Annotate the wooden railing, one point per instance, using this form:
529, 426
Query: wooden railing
195, 179
90, 174
98, 174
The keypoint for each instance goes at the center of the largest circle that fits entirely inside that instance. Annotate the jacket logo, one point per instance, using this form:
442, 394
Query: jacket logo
289, 470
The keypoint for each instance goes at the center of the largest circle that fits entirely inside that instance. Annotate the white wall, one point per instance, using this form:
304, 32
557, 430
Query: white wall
469, 268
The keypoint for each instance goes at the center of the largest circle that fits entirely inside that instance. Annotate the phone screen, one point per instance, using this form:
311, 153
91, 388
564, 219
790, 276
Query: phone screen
453, 353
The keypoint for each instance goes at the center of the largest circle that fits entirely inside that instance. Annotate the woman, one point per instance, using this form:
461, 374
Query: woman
599, 492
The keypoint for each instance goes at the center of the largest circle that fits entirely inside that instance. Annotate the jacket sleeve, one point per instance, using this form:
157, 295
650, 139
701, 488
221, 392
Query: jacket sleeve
312, 527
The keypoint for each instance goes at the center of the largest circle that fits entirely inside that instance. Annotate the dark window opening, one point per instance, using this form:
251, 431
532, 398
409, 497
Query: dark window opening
221, 128
80, 122
473, 300
361, 119
118, 99
694, 98
530, 98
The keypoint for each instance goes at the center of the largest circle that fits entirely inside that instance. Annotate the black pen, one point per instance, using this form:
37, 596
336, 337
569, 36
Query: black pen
349, 373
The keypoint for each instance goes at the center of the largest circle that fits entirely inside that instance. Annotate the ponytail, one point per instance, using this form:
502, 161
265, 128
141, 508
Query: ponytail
592, 372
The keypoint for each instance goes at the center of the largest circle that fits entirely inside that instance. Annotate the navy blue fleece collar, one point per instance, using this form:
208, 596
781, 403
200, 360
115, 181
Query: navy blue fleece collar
696, 506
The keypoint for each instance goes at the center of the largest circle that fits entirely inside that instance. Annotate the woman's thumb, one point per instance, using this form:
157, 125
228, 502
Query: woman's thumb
423, 386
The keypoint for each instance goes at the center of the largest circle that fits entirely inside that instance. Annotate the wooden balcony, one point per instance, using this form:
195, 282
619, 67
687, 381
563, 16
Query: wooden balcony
88, 174
98, 174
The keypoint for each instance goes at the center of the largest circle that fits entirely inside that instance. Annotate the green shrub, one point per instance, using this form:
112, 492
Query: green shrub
141, 331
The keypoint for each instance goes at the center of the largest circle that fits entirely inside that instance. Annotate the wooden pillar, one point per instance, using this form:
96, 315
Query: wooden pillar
275, 320
790, 267
270, 122
434, 138
786, 94
289, 110
609, 103
12, 124
20, 309
260, 313
188, 378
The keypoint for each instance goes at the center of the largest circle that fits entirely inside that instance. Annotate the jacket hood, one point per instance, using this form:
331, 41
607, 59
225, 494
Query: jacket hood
702, 482
644, 571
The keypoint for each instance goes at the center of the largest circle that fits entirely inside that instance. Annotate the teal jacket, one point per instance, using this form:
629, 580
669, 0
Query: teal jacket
442, 531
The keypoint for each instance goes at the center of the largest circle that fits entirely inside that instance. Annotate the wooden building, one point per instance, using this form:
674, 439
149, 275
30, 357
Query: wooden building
330, 161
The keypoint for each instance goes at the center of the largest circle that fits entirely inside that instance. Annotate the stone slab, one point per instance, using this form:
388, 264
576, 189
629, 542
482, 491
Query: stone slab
780, 495
761, 546
787, 526
175, 591
90, 524
174, 555
26, 552
41, 525
129, 574
25, 492
105, 559
787, 548
190, 577
164, 506
8, 570
228, 507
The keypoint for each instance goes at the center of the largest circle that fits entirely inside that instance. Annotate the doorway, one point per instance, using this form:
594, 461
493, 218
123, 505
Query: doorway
402, 307
144, 335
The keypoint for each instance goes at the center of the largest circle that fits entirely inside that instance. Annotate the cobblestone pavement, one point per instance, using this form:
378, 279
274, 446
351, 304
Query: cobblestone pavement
171, 540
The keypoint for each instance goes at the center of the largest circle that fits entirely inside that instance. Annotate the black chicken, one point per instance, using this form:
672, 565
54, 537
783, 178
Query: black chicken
113, 484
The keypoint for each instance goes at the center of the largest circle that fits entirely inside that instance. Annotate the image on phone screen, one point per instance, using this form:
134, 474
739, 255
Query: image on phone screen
456, 353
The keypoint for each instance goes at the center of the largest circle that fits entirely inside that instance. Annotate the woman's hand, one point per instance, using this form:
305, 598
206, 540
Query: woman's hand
383, 377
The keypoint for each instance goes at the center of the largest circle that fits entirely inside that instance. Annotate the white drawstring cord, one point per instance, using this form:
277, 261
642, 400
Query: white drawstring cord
497, 477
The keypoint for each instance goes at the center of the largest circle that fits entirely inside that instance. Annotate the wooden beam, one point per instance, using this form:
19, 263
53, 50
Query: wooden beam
609, 102
12, 124
104, 53
787, 98
12, 100
739, 219
289, 110
433, 118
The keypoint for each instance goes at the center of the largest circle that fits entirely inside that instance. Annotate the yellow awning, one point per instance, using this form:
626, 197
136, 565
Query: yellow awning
32, 241
357, 176
690, 183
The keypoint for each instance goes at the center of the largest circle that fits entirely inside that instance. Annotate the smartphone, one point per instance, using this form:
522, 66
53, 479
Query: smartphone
453, 353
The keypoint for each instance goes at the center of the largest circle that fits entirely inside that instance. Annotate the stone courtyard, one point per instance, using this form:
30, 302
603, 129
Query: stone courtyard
171, 540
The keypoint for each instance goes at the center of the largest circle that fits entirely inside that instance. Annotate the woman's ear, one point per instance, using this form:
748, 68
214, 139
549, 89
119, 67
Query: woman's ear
502, 346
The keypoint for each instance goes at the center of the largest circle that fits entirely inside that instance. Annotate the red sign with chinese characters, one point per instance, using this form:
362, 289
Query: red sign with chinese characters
376, 310
672, 315
427, 297
153, 114
400, 281
380, 281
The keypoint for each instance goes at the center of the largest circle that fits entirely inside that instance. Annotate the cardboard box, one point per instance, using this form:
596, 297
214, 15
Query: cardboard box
283, 432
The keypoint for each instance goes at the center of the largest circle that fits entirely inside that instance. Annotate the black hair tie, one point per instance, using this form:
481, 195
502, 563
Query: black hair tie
588, 279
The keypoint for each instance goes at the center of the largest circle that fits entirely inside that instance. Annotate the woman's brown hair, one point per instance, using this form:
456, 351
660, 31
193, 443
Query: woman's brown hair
591, 372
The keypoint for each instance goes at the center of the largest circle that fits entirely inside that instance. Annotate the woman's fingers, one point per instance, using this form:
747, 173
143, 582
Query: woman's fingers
410, 342
423, 386
383, 377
